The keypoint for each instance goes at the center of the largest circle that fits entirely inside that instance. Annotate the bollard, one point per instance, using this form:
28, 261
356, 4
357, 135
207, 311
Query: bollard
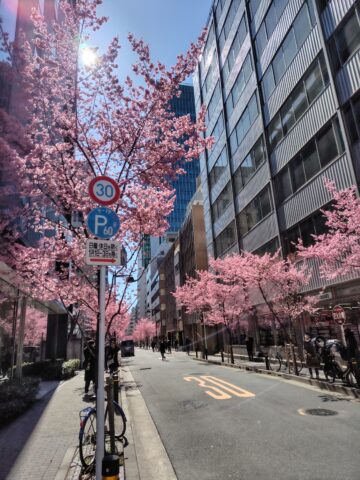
267, 363
110, 467
116, 387
222, 356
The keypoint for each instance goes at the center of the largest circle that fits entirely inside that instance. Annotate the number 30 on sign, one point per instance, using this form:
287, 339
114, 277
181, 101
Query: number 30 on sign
104, 190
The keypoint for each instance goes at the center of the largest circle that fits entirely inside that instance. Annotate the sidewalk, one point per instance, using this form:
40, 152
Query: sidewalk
34, 445
260, 367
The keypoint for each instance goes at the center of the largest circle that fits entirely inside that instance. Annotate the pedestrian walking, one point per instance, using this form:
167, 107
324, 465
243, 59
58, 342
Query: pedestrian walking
311, 356
169, 346
176, 345
153, 344
250, 348
111, 356
187, 345
90, 365
162, 349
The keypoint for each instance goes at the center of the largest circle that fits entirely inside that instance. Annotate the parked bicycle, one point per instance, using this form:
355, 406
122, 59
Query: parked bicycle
332, 369
87, 433
283, 364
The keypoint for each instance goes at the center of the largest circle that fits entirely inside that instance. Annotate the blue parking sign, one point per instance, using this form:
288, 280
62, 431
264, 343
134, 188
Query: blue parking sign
103, 222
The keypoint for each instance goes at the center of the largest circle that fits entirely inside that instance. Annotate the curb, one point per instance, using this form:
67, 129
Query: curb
322, 384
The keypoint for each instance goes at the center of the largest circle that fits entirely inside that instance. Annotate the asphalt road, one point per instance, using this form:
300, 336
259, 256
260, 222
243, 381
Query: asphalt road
251, 427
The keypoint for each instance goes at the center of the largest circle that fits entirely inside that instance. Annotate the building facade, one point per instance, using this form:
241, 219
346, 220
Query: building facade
280, 80
157, 247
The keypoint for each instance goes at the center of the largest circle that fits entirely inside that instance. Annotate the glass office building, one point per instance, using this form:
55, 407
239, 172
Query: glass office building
185, 185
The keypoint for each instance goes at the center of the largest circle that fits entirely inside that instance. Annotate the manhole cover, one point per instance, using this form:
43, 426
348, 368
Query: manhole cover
320, 412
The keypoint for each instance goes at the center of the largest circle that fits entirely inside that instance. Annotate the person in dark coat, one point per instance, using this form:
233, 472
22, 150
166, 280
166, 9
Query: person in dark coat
90, 365
250, 348
311, 356
162, 348
111, 356
169, 346
187, 345
153, 344
352, 346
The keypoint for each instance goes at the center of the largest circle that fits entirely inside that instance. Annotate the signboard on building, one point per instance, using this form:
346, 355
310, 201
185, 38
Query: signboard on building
103, 252
339, 314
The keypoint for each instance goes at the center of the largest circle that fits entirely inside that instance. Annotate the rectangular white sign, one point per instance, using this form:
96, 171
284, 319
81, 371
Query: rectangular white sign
103, 252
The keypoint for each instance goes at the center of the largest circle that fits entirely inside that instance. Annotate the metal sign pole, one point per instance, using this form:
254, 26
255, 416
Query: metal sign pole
100, 398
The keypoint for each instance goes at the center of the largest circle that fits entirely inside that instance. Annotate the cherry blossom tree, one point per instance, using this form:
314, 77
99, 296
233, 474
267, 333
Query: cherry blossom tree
80, 123
339, 249
216, 297
278, 284
144, 330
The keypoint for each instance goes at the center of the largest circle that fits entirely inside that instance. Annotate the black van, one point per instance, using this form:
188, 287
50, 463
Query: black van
127, 348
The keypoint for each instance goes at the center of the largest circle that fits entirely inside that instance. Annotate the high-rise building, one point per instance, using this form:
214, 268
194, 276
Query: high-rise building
185, 187
280, 80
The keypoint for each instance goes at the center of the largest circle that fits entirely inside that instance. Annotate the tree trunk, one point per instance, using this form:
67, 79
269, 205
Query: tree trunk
231, 347
20, 348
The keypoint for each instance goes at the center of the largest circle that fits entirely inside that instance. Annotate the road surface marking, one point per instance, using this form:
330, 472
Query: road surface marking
208, 381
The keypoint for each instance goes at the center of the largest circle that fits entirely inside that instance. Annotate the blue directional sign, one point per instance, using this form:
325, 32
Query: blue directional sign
103, 222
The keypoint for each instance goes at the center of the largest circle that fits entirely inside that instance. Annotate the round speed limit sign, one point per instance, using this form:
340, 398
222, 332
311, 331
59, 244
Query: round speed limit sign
104, 190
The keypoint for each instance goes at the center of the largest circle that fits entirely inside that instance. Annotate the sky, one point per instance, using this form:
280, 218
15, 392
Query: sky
168, 26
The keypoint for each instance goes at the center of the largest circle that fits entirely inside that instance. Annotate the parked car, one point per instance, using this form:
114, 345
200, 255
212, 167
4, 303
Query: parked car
127, 348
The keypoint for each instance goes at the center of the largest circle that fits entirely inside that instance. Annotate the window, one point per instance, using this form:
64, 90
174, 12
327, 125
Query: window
249, 165
297, 173
278, 65
313, 82
275, 131
239, 85
299, 101
268, 83
268, 247
313, 225
321, 150
311, 160
352, 119
308, 89
234, 49
222, 202
288, 117
213, 102
228, 22
226, 239
255, 211
246, 120
302, 27
283, 185
218, 168
288, 49
207, 49
327, 146
269, 24
348, 38
345, 41
218, 129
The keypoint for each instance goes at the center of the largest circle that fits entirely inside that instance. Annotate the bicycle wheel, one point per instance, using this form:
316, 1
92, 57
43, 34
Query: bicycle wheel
119, 420
87, 440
